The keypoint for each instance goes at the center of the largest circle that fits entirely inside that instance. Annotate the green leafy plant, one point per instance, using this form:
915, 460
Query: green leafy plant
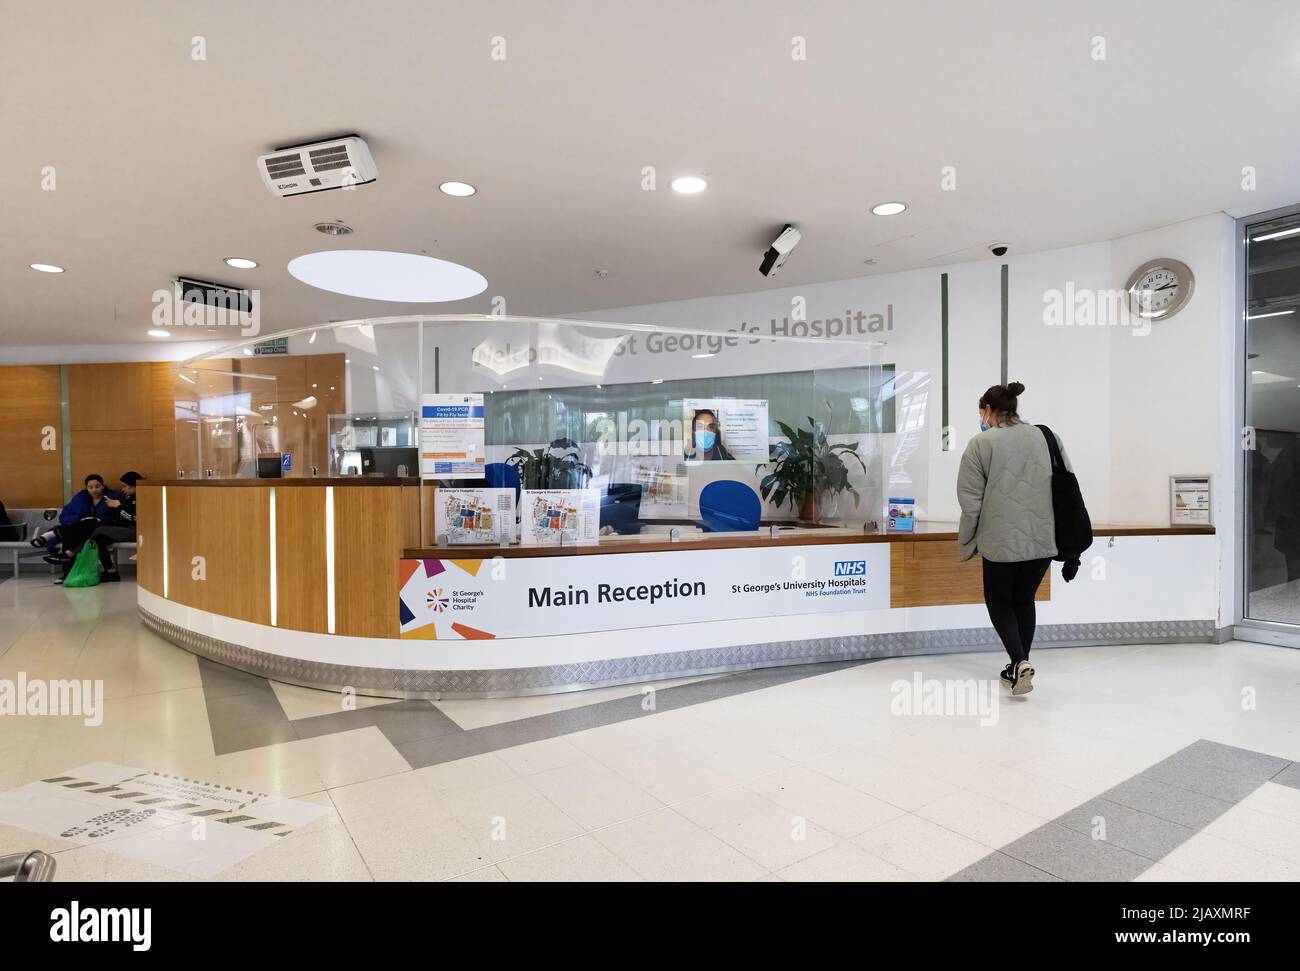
807, 467
556, 466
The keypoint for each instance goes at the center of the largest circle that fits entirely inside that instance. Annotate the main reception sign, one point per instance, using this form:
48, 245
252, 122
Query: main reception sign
536, 596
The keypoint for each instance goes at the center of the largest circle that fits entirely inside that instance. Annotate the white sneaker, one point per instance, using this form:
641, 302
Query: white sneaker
1024, 682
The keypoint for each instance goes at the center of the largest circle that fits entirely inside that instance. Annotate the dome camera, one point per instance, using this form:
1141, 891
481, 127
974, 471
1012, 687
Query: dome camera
998, 249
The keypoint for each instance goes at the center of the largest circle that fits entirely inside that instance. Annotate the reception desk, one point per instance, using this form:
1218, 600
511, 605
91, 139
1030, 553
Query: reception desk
326, 583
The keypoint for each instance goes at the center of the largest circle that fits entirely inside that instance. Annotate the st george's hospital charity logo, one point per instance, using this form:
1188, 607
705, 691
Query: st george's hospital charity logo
435, 600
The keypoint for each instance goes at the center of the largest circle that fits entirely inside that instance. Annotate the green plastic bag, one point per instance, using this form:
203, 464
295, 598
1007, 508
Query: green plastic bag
85, 569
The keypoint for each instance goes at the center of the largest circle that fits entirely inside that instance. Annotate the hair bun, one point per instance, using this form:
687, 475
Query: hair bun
1016, 388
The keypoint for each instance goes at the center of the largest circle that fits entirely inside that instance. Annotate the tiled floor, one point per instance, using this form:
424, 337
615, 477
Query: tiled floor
1168, 762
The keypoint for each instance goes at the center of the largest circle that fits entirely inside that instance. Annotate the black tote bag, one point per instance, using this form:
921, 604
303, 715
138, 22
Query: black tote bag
1073, 527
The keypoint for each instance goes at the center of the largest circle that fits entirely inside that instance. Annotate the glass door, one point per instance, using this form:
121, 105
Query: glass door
1272, 413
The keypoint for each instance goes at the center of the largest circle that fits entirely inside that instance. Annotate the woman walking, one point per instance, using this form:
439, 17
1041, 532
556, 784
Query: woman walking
1004, 488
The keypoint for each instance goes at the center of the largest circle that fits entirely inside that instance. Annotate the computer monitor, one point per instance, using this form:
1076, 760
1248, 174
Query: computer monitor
269, 466
387, 462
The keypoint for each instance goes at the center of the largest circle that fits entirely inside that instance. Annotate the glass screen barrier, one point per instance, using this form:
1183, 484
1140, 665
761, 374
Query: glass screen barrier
582, 430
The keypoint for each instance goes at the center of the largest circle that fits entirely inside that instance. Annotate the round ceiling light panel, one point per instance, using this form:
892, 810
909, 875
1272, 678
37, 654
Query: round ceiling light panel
383, 275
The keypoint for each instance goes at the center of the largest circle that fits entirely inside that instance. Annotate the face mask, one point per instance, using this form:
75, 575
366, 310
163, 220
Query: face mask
705, 440
983, 427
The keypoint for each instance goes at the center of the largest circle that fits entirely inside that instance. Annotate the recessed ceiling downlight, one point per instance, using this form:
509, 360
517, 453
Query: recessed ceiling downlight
889, 208
334, 229
457, 188
689, 184
383, 275
46, 267
240, 263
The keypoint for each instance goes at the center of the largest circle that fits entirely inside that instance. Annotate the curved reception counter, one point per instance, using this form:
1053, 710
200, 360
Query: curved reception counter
328, 583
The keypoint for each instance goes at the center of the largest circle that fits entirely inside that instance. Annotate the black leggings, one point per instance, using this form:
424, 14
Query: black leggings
1009, 590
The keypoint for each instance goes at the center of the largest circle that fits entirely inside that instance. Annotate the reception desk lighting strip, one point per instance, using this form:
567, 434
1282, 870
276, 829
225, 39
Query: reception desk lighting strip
329, 558
271, 501
166, 584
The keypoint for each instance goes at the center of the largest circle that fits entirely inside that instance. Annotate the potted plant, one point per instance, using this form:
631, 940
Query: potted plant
556, 466
807, 467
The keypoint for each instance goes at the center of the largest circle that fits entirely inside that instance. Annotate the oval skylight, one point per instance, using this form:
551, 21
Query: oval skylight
383, 275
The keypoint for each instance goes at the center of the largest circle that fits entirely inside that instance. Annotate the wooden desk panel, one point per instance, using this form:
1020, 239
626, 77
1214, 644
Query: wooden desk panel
148, 529
230, 529
370, 527
302, 601
930, 575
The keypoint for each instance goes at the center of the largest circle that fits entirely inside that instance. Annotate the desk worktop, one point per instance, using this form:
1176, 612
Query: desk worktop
304, 481
789, 536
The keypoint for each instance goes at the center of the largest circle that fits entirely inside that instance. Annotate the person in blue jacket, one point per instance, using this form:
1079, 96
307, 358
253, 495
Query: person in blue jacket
91, 503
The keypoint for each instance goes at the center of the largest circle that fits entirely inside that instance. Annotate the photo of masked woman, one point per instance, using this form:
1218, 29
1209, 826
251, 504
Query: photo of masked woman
706, 438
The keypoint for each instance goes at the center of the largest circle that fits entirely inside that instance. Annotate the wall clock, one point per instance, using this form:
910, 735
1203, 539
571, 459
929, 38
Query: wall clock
1160, 288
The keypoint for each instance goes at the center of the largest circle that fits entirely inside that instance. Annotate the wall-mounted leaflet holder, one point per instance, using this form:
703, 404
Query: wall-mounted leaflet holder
1190, 500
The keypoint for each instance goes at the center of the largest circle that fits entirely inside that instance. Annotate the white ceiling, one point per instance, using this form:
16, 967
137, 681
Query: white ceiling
154, 152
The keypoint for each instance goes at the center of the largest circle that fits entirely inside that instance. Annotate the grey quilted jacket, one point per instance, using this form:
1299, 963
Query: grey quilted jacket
1004, 488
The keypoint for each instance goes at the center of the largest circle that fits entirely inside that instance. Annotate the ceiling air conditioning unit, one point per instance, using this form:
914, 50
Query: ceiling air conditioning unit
333, 164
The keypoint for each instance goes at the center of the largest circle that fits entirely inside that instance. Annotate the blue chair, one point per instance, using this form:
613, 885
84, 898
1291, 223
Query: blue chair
620, 508
498, 475
728, 506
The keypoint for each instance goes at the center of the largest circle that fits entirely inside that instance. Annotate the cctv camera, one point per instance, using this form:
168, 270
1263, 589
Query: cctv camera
777, 253
998, 249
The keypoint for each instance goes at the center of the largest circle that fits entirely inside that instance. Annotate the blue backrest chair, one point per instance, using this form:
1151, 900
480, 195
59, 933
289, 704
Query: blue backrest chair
728, 506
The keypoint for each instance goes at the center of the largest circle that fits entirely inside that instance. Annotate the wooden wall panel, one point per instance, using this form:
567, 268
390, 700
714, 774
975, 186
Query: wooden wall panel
928, 574
123, 416
104, 397
112, 453
111, 408
148, 565
327, 384
290, 373
162, 419
30, 401
301, 595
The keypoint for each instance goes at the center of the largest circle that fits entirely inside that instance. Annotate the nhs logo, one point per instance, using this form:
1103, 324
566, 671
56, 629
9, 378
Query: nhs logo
850, 568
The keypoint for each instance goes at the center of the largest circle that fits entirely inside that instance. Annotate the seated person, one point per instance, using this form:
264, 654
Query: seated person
8, 531
118, 526
78, 518
705, 444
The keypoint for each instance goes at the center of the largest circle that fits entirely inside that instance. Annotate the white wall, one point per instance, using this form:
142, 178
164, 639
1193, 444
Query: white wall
1167, 413
1131, 410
